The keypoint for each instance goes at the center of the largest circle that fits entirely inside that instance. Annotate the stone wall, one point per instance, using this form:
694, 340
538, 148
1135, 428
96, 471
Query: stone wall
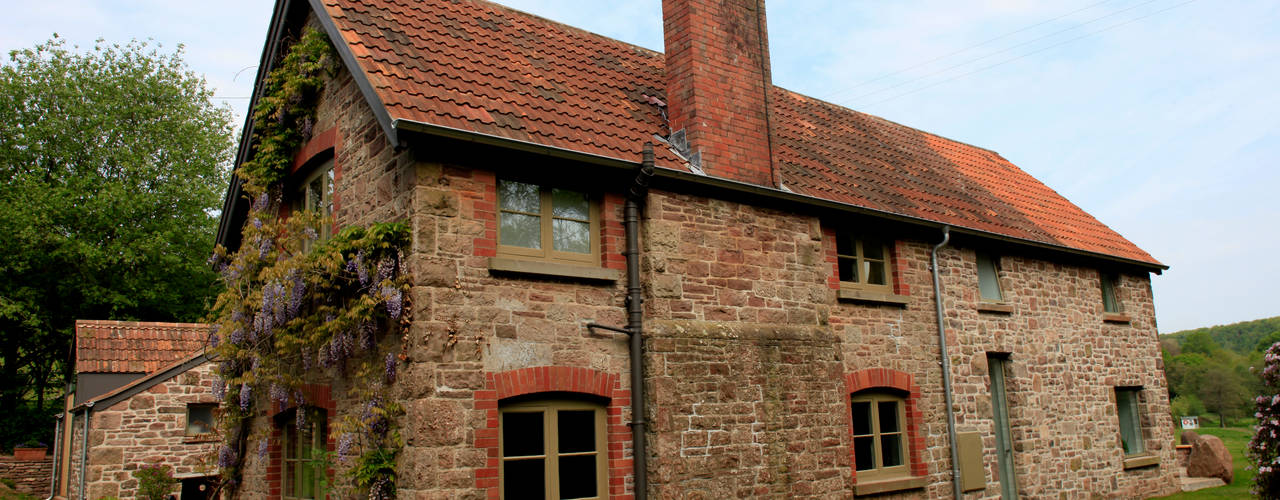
751, 356
32, 476
146, 429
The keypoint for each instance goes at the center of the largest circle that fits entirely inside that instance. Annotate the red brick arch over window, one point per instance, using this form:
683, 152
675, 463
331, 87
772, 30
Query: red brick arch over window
548, 379
885, 378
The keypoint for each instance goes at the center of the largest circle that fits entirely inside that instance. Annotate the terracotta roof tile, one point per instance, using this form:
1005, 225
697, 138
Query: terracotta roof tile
488, 69
134, 347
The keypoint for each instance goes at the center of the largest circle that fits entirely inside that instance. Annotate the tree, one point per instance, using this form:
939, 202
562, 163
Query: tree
1200, 342
1223, 392
112, 163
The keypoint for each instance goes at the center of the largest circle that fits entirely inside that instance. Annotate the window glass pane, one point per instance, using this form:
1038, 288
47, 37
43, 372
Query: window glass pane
987, 278
577, 429
522, 434
844, 244
524, 479
578, 476
521, 230
1130, 428
861, 418
848, 271
199, 419
1109, 294
306, 481
872, 249
888, 416
519, 196
328, 190
289, 479
891, 450
571, 236
875, 273
864, 452
570, 204
315, 191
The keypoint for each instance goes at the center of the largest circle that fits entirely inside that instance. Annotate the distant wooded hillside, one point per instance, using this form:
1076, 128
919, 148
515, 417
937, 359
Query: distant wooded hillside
1241, 337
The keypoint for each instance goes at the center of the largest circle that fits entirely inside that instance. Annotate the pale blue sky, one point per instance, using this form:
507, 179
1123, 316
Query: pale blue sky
1159, 117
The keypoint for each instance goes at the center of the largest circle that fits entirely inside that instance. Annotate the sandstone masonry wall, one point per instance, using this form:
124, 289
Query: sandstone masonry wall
32, 476
148, 428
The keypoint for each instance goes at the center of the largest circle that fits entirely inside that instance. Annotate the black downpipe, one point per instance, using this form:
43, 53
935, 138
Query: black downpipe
635, 320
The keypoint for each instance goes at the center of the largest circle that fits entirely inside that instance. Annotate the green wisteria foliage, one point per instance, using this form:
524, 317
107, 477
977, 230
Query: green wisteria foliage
299, 308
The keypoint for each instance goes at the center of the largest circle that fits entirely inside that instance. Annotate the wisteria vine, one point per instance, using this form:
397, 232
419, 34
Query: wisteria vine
298, 308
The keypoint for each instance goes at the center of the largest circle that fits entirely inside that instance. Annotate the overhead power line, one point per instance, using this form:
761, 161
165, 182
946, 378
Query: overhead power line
1001, 51
984, 68
961, 51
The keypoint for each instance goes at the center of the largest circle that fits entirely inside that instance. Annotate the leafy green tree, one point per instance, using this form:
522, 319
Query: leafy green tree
112, 162
1184, 373
1223, 392
1200, 342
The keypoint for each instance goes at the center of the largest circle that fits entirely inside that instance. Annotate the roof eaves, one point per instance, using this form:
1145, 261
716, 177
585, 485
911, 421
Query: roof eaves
133, 388
357, 73
742, 187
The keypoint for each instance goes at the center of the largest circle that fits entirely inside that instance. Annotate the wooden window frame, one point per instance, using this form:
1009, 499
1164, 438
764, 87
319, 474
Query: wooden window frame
291, 476
213, 418
1110, 297
1134, 401
550, 433
859, 260
546, 216
994, 259
302, 199
879, 471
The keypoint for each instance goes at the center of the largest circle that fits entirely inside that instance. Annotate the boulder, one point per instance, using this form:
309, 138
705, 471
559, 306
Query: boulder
1210, 458
1189, 437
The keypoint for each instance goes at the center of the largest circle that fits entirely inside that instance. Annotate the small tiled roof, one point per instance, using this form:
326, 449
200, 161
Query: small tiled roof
483, 68
134, 347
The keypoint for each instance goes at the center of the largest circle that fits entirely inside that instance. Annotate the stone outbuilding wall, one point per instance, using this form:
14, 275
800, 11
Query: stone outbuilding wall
146, 429
31, 476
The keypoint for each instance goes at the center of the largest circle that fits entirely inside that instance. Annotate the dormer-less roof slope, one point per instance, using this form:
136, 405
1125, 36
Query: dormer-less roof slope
134, 347
477, 67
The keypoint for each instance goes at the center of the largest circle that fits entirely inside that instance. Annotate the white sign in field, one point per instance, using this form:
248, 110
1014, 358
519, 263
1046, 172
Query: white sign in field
1190, 422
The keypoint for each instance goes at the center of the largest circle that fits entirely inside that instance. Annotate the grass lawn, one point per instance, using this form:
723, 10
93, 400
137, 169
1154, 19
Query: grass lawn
1237, 441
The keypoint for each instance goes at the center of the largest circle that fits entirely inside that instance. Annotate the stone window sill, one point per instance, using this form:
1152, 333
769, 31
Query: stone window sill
856, 295
994, 307
1144, 460
552, 269
202, 438
1116, 318
887, 485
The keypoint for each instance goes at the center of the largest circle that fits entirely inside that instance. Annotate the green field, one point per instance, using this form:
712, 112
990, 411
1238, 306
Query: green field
1237, 441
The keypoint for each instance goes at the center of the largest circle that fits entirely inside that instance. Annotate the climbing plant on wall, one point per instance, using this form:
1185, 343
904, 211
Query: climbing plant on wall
298, 308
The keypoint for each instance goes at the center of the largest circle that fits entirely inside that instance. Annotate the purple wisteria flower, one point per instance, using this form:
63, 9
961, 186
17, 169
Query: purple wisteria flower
214, 339
357, 264
260, 203
262, 448
390, 370
345, 443
300, 417
306, 360
226, 457
219, 388
279, 394
310, 234
366, 335
257, 223
385, 268
246, 396
295, 298
264, 247
395, 301
237, 336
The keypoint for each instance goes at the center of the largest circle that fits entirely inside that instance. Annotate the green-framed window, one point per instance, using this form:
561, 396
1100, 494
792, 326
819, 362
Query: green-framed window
864, 262
553, 449
1127, 409
989, 277
303, 468
546, 223
879, 434
1110, 302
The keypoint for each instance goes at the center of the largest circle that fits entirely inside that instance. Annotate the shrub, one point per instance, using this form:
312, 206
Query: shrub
155, 482
1264, 448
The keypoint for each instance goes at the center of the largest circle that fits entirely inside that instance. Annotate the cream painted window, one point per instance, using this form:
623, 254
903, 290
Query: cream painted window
989, 277
863, 262
1130, 420
553, 449
544, 223
879, 435
315, 194
303, 470
1109, 302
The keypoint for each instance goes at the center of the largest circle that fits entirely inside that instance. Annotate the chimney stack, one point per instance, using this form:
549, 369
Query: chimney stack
718, 85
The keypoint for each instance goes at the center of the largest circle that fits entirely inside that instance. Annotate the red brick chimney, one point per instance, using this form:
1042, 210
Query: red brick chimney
718, 85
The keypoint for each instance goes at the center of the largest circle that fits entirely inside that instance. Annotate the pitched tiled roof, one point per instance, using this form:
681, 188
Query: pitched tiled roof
482, 68
134, 347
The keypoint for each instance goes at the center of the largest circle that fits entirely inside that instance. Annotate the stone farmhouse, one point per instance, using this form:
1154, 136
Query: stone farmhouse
145, 391
785, 299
